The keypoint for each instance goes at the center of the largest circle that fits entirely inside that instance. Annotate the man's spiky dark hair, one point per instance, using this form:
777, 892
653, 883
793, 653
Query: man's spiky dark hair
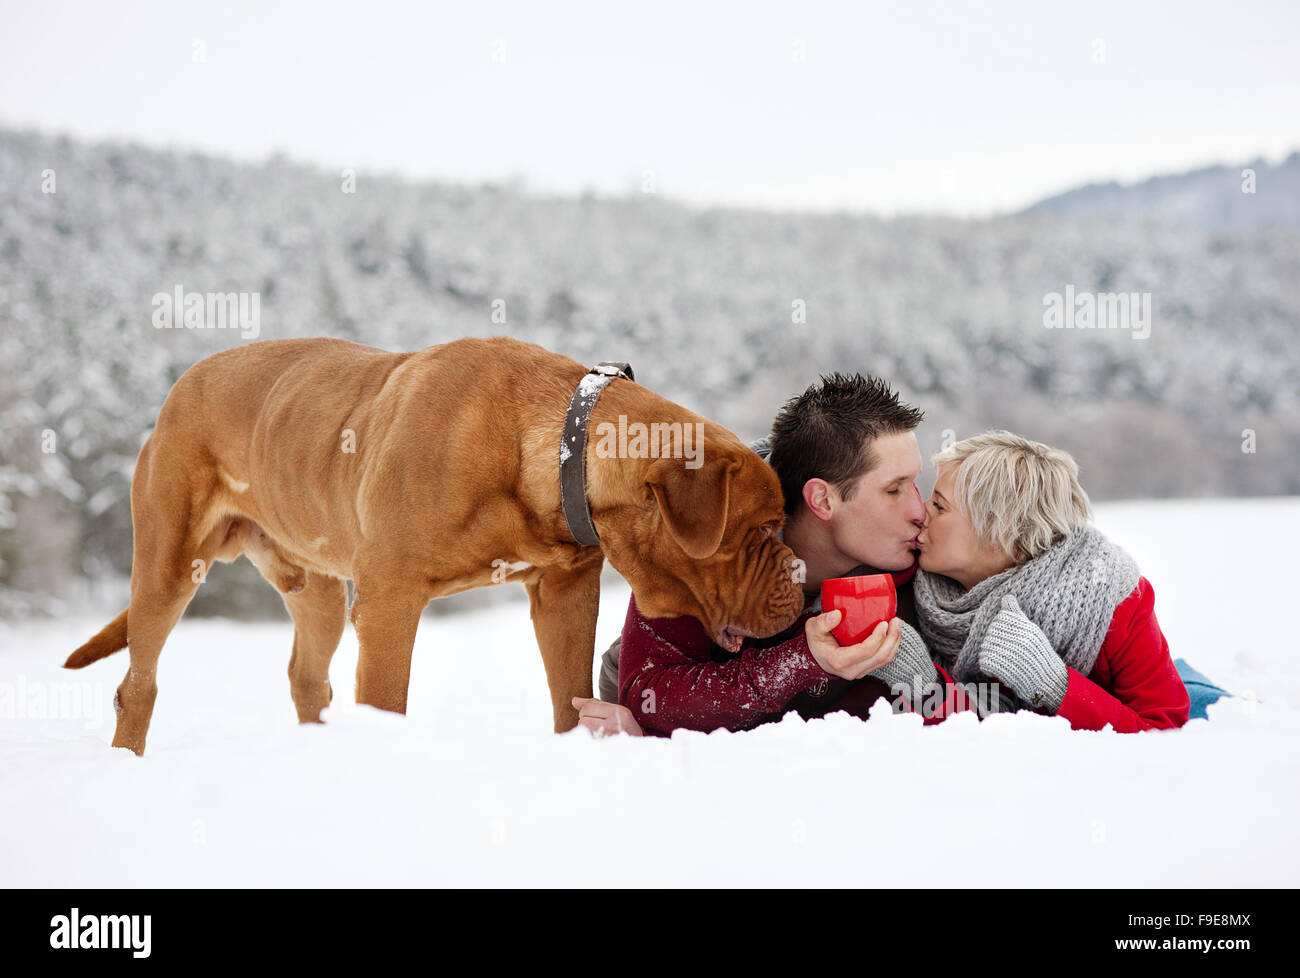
827, 433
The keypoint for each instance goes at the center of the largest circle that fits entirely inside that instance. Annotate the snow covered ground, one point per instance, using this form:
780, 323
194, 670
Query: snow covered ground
471, 788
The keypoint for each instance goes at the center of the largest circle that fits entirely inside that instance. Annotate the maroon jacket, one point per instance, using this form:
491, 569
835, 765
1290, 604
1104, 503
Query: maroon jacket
671, 674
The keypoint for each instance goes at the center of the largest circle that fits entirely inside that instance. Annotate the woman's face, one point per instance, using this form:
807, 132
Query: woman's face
948, 543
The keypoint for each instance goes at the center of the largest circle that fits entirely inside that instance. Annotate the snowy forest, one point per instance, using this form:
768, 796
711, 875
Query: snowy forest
726, 311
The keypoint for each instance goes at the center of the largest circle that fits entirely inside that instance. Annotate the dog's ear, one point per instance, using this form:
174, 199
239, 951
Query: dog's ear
693, 502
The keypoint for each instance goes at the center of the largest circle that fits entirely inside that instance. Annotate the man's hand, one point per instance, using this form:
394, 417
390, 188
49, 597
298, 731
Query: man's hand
606, 719
851, 661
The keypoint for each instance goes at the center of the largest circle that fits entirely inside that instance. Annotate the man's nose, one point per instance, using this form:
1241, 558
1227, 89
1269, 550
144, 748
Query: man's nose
916, 508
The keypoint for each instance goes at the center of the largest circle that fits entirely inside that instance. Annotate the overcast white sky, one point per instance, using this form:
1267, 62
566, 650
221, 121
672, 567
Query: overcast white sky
962, 108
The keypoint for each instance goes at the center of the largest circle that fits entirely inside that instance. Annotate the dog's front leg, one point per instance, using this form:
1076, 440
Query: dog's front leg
564, 603
385, 615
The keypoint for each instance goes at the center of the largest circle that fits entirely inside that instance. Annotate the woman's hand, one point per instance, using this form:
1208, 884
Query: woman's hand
1018, 655
912, 672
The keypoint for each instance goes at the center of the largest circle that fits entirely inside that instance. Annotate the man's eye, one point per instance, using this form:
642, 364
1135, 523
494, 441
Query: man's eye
892, 492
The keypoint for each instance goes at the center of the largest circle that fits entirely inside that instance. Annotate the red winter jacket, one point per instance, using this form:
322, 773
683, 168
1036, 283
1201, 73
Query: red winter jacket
1133, 684
671, 674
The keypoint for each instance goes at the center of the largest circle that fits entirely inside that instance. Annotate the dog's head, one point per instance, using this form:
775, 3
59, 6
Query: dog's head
698, 537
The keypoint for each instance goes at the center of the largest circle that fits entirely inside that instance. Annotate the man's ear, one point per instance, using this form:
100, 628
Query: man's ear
817, 497
693, 502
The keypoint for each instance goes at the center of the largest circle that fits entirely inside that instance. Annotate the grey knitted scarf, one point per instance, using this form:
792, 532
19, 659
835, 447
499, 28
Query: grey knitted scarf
1070, 592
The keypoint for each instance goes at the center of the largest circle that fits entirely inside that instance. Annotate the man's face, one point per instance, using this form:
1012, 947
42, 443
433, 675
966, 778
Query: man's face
879, 524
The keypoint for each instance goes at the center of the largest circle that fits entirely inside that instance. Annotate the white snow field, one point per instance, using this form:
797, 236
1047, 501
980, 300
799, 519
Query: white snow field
472, 788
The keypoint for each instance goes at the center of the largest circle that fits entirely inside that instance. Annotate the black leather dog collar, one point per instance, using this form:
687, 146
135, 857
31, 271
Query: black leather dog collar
573, 449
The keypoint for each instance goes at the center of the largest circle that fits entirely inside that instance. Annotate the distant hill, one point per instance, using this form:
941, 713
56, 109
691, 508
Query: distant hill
1210, 199
727, 312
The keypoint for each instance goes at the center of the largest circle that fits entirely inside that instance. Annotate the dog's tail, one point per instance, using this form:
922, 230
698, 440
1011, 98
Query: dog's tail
110, 638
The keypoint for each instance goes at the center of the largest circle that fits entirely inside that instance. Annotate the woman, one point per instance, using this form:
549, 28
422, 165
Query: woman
1017, 587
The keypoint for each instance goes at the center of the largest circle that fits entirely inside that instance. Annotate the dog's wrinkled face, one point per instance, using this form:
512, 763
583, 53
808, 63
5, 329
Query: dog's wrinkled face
704, 543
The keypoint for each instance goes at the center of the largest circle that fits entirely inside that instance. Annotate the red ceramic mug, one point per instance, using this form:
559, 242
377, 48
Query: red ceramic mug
864, 602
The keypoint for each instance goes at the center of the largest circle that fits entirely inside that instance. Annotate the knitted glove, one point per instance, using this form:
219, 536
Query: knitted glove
911, 666
1016, 653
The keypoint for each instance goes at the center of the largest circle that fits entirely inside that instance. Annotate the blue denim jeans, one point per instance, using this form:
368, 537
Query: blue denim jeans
1200, 690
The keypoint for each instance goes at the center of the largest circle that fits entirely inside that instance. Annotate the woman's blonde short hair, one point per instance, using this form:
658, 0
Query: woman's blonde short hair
1020, 495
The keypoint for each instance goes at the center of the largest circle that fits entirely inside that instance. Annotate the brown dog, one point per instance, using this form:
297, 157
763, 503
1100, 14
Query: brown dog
418, 475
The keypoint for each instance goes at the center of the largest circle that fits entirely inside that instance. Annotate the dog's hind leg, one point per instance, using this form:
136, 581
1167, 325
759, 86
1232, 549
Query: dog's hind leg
319, 612
564, 604
174, 545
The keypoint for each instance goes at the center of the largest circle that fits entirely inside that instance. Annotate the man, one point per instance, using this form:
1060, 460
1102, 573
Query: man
846, 454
